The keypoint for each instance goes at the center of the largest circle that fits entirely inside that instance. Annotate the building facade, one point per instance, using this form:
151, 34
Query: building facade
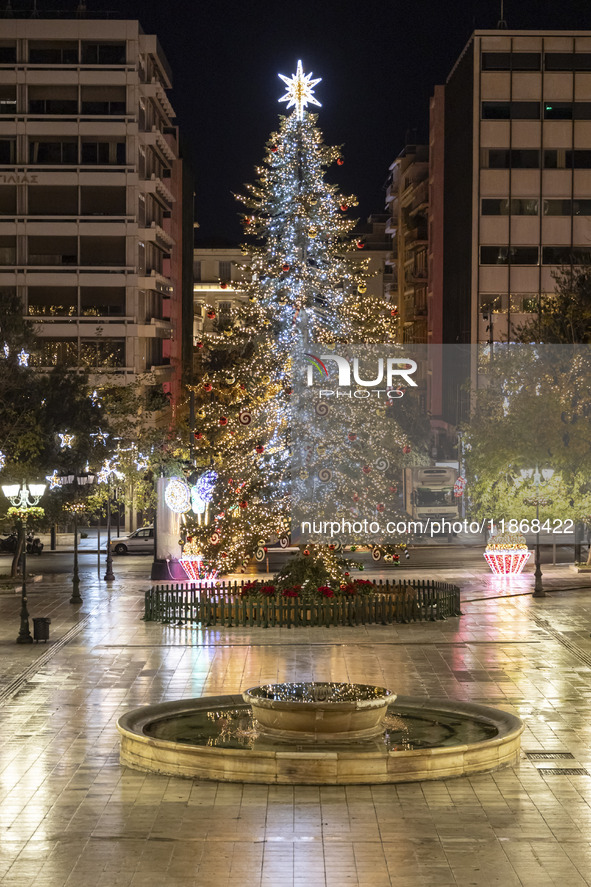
511, 158
91, 195
407, 198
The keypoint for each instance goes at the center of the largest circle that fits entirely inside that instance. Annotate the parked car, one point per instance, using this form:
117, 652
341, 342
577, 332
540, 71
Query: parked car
139, 542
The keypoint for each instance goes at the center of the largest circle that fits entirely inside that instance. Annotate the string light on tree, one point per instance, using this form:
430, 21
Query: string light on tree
23, 358
100, 437
2, 460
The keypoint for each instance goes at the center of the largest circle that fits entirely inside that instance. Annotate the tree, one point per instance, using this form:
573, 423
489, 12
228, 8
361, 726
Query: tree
535, 410
564, 316
306, 285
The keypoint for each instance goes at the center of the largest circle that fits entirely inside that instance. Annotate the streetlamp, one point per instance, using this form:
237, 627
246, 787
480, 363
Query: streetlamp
76, 509
23, 497
104, 476
537, 478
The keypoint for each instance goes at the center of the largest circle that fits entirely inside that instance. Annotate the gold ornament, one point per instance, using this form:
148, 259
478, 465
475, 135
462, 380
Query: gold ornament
321, 449
266, 380
313, 201
313, 232
362, 288
303, 474
201, 414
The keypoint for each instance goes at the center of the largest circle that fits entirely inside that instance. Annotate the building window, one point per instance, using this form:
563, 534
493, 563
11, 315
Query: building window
7, 54
7, 249
567, 110
99, 100
102, 352
562, 158
53, 200
566, 255
509, 255
7, 99
514, 207
103, 53
102, 251
7, 200
567, 61
103, 153
507, 61
97, 301
52, 301
493, 303
54, 352
53, 100
8, 151
46, 52
515, 158
225, 270
54, 151
225, 308
103, 200
53, 250
510, 110
197, 272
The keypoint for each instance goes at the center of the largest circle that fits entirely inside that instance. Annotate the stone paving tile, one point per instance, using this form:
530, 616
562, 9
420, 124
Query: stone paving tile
71, 816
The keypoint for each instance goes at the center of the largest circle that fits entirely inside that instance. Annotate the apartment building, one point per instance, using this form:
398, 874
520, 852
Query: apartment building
510, 178
92, 195
407, 199
217, 274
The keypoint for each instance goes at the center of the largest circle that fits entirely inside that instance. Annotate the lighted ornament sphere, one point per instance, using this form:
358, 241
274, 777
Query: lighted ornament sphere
286, 267
211, 314
362, 288
223, 286
177, 495
340, 161
344, 207
205, 485
360, 244
207, 387
313, 232
507, 554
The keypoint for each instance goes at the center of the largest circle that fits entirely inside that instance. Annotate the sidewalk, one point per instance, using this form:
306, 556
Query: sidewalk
70, 815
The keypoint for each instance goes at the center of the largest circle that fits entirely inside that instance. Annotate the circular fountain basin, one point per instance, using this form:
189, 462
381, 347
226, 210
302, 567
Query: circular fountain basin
319, 711
218, 738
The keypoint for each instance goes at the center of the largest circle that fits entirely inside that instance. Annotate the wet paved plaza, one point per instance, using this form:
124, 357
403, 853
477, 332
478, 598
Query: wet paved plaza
71, 815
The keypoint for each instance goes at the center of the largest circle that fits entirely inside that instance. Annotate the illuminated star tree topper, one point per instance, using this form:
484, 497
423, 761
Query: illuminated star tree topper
300, 91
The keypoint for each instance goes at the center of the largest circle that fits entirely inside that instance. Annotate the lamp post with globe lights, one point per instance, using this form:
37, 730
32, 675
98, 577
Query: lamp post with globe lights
76, 508
23, 497
104, 477
546, 474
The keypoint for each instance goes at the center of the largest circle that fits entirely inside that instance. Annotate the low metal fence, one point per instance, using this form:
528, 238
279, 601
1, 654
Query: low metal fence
223, 604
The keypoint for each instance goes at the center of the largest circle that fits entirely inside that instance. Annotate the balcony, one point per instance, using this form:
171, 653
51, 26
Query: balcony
156, 139
155, 185
156, 234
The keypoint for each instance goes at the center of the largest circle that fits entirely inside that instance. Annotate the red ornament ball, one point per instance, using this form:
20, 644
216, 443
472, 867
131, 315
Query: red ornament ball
199, 345
360, 244
274, 149
223, 285
355, 497
243, 503
366, 469
286, 267
331, 547
260, 449
305, 552
380, 507
211, 314
352, 436
198, 435
393, 489
394, 312
242, 387
344, 207
340, 161
223, 420
406, 450
208, 386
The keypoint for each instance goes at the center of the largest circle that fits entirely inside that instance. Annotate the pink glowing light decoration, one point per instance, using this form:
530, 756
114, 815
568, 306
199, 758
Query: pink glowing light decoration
193, 567
509, 561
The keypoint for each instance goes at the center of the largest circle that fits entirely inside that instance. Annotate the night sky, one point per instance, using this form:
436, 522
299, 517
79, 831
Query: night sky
378, 59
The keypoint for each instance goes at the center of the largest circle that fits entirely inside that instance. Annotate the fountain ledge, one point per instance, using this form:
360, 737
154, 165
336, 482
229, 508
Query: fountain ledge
302, 766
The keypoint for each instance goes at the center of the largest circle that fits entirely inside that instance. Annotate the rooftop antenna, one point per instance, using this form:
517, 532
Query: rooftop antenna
502, 24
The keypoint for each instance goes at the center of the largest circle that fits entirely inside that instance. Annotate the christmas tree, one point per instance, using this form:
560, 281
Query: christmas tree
305, 283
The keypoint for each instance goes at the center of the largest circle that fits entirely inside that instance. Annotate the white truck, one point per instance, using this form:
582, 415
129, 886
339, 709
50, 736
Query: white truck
429, 493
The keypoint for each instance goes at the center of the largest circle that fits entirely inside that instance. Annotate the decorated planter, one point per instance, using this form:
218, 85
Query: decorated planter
507, 554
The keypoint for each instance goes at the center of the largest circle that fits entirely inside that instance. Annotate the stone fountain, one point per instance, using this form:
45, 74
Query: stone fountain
318, 733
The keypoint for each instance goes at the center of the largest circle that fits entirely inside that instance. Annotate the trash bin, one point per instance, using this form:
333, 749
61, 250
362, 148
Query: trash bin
41, 628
